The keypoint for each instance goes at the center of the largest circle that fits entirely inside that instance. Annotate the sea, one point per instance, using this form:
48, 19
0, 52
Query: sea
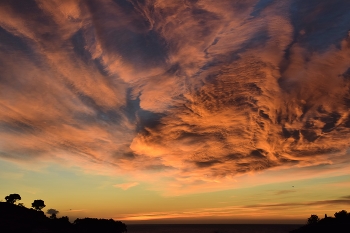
211, 228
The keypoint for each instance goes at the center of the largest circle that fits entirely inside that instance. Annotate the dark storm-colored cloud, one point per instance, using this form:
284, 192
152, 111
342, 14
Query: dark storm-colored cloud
200, 91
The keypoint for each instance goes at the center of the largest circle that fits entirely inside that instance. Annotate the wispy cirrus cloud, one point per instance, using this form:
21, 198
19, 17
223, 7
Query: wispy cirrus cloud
196, 93
76, 210
259, 211
282, 192
126, 186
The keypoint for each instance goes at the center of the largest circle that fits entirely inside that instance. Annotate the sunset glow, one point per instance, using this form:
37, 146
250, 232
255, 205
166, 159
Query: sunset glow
179, 111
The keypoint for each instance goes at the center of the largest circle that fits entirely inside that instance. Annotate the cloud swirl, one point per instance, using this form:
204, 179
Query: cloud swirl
195, 92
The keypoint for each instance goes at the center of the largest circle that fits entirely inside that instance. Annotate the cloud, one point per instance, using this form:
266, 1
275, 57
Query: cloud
342, 201
282, 192
126, 186
76, 210
259, 211
193, 94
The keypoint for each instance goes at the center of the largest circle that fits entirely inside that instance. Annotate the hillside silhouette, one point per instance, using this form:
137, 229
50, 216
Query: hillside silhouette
19, 219
339, 223
16, 218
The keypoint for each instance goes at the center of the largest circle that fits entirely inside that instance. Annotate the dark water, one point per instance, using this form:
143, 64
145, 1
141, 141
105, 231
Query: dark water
211, 228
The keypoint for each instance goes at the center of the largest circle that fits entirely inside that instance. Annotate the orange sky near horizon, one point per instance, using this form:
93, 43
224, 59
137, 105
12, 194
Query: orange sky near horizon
185, 111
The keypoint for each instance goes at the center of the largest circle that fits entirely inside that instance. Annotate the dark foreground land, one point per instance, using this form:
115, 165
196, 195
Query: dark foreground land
339, 223
19, 219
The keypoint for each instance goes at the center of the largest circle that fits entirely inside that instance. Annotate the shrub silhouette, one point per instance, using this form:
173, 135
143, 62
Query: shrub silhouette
342, 215
53, 213
12, 198
38, 204
341, 223
90, 225
313, 219
64, 219
19, 219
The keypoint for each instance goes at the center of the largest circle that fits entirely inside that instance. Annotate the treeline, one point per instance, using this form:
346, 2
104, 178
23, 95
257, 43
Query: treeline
17, 218
339, 223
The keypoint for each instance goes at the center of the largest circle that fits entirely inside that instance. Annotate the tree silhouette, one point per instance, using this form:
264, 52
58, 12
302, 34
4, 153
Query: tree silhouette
340, 223
12, 198
17, 218
342, 215
53, 213
38, 204
313, 219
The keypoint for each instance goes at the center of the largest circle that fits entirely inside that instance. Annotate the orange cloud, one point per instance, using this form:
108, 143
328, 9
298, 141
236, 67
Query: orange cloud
196, 96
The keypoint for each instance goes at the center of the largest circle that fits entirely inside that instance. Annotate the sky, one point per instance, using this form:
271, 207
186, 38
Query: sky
184, 111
